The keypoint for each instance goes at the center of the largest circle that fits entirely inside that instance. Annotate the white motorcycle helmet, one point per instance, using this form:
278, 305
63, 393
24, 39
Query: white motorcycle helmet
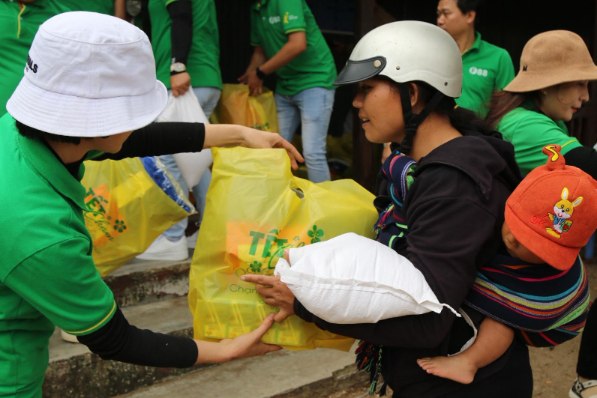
408, 51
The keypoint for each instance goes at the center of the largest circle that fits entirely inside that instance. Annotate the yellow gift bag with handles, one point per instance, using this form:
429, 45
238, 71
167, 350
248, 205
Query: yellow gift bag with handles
255, 209
236, 106
127, 210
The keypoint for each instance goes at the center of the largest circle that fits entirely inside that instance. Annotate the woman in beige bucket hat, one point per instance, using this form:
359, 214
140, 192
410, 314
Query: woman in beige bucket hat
552, 85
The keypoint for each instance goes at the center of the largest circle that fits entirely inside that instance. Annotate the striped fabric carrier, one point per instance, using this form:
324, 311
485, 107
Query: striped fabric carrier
390, 230
545, 306
391, 225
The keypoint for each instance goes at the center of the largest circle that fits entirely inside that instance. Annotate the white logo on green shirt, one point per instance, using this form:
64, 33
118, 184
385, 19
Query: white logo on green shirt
478, 71
273, 20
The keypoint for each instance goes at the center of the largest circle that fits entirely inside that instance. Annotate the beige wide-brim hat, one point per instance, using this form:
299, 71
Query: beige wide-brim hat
550, 58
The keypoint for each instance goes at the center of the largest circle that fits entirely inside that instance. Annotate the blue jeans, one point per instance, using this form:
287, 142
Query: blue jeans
208, 99
312, 108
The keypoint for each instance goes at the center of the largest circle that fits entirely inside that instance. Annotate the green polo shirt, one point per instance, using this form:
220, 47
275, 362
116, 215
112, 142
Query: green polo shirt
101, 6
47, 275
485, 68
271, 22
17, 29
528, 130
203, 64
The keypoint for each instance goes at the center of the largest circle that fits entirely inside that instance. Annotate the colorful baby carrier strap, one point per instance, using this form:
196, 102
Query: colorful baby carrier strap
545, 306
398, 170
390, 229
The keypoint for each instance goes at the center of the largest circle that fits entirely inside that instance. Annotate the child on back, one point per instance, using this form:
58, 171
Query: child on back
539, 291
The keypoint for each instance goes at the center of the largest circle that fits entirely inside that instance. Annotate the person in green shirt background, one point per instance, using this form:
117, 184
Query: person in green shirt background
108, 7
288, 42
485, 67
551, 86
19, 21
185, 42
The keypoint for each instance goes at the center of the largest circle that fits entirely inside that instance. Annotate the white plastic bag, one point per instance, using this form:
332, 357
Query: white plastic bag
353, 279
186, 108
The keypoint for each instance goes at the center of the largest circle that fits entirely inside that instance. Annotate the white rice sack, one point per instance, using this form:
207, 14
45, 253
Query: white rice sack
352, 279
186, 108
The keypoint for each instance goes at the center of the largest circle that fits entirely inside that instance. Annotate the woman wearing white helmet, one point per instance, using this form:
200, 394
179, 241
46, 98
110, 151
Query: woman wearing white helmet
409, 74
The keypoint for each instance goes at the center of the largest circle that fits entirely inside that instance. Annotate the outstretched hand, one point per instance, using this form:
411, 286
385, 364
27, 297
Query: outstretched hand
250, 344
274, 293
253, 138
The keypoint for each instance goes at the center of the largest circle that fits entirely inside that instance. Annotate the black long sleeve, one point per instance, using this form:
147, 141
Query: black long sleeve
161, 139
585, 158
181, 34
119, 341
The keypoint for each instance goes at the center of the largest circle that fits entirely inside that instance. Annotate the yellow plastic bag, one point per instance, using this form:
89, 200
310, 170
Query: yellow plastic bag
128, 211
256, 208
236, 106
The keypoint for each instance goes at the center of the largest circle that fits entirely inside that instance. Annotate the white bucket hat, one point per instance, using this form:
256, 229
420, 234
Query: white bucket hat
88, 75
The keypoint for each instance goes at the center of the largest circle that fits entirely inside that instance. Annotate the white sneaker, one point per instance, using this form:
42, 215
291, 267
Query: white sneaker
192, 240
68, 337
164, 249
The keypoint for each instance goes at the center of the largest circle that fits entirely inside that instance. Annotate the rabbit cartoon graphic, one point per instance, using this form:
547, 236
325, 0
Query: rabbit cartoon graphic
563, 210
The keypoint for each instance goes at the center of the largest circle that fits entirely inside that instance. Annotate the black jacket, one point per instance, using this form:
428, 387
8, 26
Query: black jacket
455, 211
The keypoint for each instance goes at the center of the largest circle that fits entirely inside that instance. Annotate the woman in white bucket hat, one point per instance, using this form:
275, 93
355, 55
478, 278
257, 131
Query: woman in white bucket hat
89, 91
551, 86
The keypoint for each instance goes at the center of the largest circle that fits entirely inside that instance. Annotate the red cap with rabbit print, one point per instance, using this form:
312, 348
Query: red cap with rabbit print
553, 212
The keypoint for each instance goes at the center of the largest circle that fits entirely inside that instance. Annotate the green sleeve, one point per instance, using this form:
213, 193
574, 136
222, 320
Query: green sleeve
63, 284
505, 73
255, 42
529, 133
293, 17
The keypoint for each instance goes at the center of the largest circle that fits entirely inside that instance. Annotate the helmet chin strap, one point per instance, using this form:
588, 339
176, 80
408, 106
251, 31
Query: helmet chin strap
413, 120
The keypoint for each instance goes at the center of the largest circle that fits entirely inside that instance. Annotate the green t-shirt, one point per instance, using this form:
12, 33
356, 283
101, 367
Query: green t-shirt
271, 22
529, 131
485, 68
17, 29
47, 275
204, 56
101, 6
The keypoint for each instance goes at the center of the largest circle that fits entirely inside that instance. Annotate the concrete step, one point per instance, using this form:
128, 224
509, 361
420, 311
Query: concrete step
75, 372
143, 282
281, 374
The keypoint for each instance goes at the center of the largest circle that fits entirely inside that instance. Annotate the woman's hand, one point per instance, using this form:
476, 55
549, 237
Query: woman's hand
221, 135
246, 345
274, 293
253, 138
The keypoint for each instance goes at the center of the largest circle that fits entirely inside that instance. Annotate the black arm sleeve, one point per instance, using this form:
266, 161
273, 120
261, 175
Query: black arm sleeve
181, 35
585, 158
161, 139
119, 341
